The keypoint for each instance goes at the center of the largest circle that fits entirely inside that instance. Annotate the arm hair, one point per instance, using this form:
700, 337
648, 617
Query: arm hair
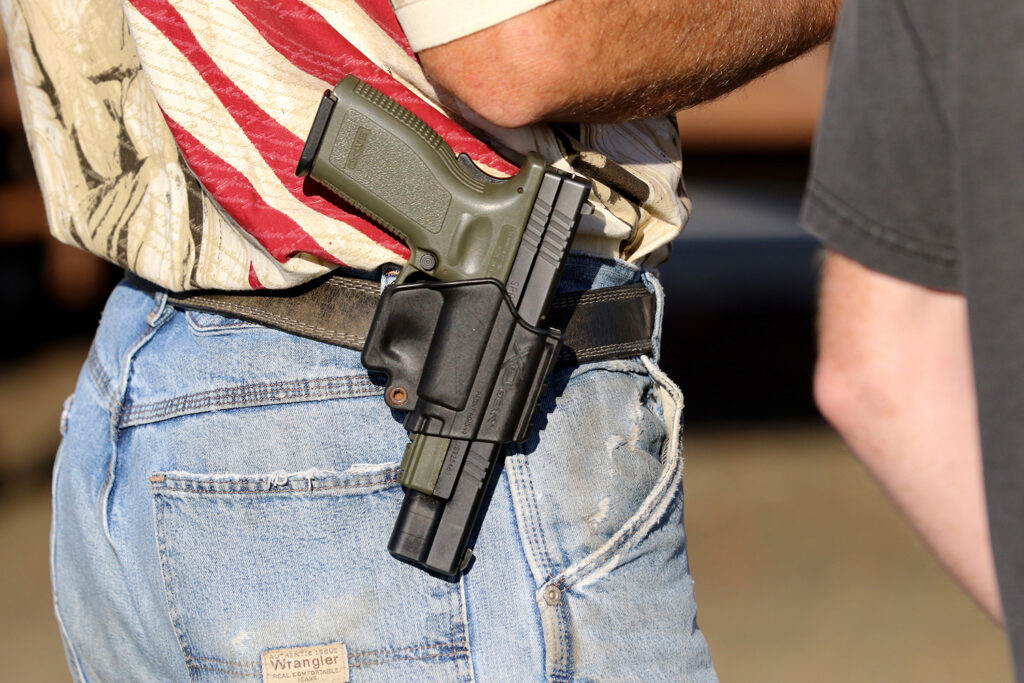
608, 60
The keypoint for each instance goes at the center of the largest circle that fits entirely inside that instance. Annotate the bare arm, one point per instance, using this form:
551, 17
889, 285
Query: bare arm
610, 60
895, 377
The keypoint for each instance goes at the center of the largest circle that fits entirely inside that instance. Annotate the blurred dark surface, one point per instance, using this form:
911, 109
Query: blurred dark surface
17, 161
740, 290
27, 296
35, 291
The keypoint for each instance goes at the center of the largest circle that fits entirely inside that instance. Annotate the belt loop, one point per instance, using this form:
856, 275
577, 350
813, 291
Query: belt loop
161, 311
653, 284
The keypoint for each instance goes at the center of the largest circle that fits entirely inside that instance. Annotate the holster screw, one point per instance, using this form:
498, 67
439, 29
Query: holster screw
398, 396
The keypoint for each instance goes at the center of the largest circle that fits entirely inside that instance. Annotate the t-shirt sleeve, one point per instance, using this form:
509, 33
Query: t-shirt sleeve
434, 22
881, 187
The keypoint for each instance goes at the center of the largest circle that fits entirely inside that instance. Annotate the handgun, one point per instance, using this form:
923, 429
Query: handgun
461, 334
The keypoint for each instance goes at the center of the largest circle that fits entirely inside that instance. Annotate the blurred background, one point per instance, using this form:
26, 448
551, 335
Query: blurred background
804, 571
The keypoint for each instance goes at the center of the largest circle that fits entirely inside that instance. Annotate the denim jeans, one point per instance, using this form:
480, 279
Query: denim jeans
224, 490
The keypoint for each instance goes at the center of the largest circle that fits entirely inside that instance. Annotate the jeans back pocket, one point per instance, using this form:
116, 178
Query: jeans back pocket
286, 560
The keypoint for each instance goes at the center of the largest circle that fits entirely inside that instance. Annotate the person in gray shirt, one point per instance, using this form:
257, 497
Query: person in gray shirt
917, 190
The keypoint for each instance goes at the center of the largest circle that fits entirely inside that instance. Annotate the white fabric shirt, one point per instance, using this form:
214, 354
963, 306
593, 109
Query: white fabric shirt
165, 134
428, 23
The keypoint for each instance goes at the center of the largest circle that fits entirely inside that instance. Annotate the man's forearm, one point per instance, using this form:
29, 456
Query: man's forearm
609, 60
895, 377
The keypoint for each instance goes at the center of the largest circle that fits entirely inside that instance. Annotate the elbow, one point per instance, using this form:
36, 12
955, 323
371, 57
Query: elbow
507, 79
855, 398
506, 106
503, 93
833, 394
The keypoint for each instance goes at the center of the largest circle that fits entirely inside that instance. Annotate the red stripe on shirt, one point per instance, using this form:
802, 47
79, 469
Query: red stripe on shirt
275, 143
384, 16
275, 230
303, 37
254, 279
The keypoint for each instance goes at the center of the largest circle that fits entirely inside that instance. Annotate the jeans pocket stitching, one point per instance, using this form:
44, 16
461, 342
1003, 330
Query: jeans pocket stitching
388, 655
654, 506
167, 573
252, 395
531, 524
382, 476
462, 648
224, 324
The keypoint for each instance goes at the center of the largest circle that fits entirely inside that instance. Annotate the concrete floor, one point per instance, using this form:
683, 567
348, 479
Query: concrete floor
804, 571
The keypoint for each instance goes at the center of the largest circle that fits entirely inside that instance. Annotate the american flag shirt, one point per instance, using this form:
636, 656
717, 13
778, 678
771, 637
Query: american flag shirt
165, 135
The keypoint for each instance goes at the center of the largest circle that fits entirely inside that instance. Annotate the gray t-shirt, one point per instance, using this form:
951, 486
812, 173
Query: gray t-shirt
919, 173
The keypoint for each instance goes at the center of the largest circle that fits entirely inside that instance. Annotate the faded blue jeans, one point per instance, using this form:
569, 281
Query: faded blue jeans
226, 491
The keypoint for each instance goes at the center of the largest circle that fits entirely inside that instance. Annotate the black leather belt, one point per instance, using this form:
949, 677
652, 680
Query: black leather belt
597, 324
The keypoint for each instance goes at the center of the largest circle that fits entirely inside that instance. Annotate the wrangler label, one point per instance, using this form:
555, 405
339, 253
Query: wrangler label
313, 664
